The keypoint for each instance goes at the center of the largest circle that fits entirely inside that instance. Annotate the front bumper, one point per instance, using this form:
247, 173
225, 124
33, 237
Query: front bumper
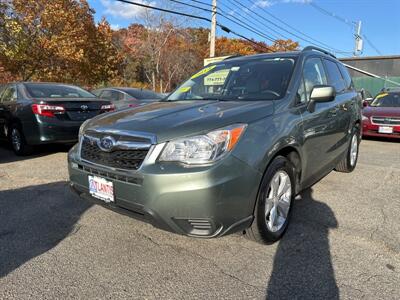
205, 201
372, 130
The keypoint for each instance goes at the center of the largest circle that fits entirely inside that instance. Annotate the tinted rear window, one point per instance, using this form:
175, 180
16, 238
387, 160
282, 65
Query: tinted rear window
142, 94
56, 91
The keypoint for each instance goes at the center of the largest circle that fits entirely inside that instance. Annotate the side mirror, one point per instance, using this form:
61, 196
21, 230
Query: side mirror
365, 103
321, 93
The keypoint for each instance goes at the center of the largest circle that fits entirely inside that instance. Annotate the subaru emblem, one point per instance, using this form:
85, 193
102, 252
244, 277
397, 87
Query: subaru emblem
106, 143
84, 107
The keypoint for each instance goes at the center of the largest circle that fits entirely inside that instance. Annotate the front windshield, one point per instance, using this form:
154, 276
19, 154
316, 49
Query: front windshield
45, 90
261, 79
387, 100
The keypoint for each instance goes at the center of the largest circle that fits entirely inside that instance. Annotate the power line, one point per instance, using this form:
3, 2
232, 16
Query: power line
349, 23
224, 28
193, 6
249, 20
282, 28
293, 28
371, 44
332, 14
233, 20
201, 2
164, 10
248, 27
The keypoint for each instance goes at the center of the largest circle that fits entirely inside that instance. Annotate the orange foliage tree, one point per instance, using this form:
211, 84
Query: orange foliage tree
56, 40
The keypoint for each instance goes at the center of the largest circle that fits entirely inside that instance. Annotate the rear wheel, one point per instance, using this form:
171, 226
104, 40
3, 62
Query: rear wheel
18, 142
349, 161
274, 202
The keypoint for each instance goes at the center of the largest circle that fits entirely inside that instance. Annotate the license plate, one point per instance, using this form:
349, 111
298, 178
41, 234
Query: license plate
385, 129
101, 188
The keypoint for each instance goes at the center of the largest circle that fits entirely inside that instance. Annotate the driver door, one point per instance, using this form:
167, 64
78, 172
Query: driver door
319, 134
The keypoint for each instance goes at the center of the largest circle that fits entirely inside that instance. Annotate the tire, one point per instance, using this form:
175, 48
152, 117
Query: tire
264, 229
18, 142
349, 161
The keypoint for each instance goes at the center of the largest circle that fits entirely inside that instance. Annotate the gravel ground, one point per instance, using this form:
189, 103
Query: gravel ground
343, 241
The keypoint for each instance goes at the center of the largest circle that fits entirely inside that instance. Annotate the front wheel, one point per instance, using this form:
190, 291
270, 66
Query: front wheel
274, 202
349, 161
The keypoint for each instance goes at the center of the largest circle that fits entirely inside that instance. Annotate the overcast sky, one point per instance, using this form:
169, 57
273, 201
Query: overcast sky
330, 26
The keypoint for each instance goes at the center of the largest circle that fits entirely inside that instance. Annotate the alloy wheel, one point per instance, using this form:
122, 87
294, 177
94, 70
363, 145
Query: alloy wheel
16, 139
353, 150
278, 201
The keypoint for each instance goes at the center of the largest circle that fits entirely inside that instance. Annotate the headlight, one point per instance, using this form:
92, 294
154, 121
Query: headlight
203, 149
82, 128
364, 118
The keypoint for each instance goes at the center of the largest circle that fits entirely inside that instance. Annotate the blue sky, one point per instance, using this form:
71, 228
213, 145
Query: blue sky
380, 19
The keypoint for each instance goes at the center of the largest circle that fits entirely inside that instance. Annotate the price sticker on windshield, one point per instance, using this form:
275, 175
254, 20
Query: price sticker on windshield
216, 78
202, 72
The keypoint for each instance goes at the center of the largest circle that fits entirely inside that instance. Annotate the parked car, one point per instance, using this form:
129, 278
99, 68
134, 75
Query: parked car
229, 149
382, 116
127, 97
34, 113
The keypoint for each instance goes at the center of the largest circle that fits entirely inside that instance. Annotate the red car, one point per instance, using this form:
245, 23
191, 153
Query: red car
382, 116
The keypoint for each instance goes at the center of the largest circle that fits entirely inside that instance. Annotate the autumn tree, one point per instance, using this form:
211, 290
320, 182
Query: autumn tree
56, 40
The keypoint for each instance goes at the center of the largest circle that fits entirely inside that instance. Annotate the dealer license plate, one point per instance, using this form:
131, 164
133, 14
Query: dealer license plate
385, 129
101, 188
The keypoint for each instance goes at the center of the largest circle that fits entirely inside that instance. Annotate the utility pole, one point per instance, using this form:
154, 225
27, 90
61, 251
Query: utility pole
358, 47
213, 28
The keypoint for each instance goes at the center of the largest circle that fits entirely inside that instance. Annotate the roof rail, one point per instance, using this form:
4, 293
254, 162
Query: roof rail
318, 49
232, 56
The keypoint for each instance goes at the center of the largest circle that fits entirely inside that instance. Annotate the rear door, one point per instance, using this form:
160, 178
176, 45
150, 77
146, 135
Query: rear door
319, 126
343, 107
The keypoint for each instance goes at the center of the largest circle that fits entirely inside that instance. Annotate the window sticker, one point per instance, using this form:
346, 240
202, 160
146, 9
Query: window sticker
202, 72
184, 89
216, 78
381, 95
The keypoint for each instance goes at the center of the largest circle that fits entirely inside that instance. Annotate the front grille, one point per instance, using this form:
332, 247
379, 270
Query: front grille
119, 159
111, 175
386, 120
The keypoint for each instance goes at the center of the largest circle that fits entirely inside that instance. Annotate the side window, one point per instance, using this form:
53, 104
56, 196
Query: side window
106, 94
10, 94
335, 77
301, 93
115, 95
346, 75
313, 74
112, 95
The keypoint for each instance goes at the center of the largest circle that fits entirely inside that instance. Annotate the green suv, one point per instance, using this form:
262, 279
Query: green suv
228, 150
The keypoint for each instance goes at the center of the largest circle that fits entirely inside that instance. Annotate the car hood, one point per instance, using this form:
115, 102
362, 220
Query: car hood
381, 111
169, 120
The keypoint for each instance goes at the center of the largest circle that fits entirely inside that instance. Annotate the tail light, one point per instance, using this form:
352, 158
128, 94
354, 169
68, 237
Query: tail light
133, 105
47, 110
107, 107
